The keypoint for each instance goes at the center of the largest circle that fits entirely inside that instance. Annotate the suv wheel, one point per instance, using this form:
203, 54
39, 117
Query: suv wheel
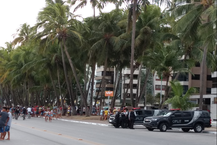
150, 129
198, 128
163, 127
185, 129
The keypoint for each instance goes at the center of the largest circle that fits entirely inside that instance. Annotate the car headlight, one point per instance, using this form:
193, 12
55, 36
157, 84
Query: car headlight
154, 120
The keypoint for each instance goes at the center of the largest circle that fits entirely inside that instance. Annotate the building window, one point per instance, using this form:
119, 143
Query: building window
208, 90
135, 76
209, 77
214, 85
185, 89
195, 77
181, 77
215, 100
197, 64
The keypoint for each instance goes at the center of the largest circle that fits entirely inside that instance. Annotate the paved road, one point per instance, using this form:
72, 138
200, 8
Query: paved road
36, 131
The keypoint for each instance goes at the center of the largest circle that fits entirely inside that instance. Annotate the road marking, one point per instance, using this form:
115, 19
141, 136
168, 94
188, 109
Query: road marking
66, 136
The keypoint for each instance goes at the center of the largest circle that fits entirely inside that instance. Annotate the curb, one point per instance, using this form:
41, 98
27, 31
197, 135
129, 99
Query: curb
83, 122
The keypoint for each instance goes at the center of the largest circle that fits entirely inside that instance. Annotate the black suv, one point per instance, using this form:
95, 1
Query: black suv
186, 120
140, 115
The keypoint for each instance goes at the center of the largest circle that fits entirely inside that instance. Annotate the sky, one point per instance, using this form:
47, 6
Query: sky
14, 13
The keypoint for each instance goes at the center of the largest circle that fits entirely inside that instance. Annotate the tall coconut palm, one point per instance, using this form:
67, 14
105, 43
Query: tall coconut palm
94, 3
106, 33
58, 24
197, 16
25, 32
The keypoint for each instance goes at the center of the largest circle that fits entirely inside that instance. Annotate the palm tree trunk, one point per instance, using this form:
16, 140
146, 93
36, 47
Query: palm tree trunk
124, 96
92, 86
60, 91
166, 93
54, 89
202, 76
132, 52
97, 96
103, 78
138, 85
72, 96
144, 86
75, 76
116, 90
65, 72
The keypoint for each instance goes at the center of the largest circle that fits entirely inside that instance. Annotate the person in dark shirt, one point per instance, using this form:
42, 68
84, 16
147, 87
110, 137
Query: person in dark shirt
3, 122
37, 111
24, 111
131, 117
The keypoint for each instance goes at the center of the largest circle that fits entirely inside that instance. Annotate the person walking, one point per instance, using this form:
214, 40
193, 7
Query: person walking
131, 117
7, 127
4, 118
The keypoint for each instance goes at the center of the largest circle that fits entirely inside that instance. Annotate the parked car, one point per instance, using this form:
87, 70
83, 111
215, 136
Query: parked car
185, 120
140, 115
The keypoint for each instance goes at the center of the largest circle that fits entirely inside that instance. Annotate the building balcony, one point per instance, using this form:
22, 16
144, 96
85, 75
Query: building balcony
127, 71
213, 90
102, 69
107, 85
214, 74
106, 77
128, 81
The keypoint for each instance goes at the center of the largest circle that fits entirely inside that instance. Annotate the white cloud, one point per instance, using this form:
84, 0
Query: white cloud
14, 13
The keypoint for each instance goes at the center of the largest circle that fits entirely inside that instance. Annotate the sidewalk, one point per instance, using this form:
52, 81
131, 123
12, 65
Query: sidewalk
94, 120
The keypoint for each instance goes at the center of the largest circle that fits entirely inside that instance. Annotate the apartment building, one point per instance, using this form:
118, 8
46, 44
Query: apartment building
109, 80
125, 89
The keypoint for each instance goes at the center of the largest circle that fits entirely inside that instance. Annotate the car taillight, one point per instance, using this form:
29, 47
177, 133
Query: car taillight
210, 121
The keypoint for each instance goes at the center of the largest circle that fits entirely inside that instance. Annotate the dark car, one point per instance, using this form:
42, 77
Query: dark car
140, 115
186, 120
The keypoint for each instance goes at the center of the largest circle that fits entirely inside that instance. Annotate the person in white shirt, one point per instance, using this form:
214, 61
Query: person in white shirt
29, 110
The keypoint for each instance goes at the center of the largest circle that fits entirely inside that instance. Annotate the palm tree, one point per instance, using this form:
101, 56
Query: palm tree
149, 34
164, 61
56, 23
107, 34
25, 32
180, 100
94, 3
198, 22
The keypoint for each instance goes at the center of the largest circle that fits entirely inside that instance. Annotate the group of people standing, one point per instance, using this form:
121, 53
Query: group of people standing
5, 122
124, 118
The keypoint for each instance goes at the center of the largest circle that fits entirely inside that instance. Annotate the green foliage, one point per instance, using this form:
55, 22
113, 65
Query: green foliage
180, 100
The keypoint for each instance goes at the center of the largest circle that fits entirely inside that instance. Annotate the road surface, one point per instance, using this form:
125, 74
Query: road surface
36, 131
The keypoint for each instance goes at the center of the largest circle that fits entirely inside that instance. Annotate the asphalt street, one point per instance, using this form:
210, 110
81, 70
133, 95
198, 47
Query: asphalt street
36, 131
